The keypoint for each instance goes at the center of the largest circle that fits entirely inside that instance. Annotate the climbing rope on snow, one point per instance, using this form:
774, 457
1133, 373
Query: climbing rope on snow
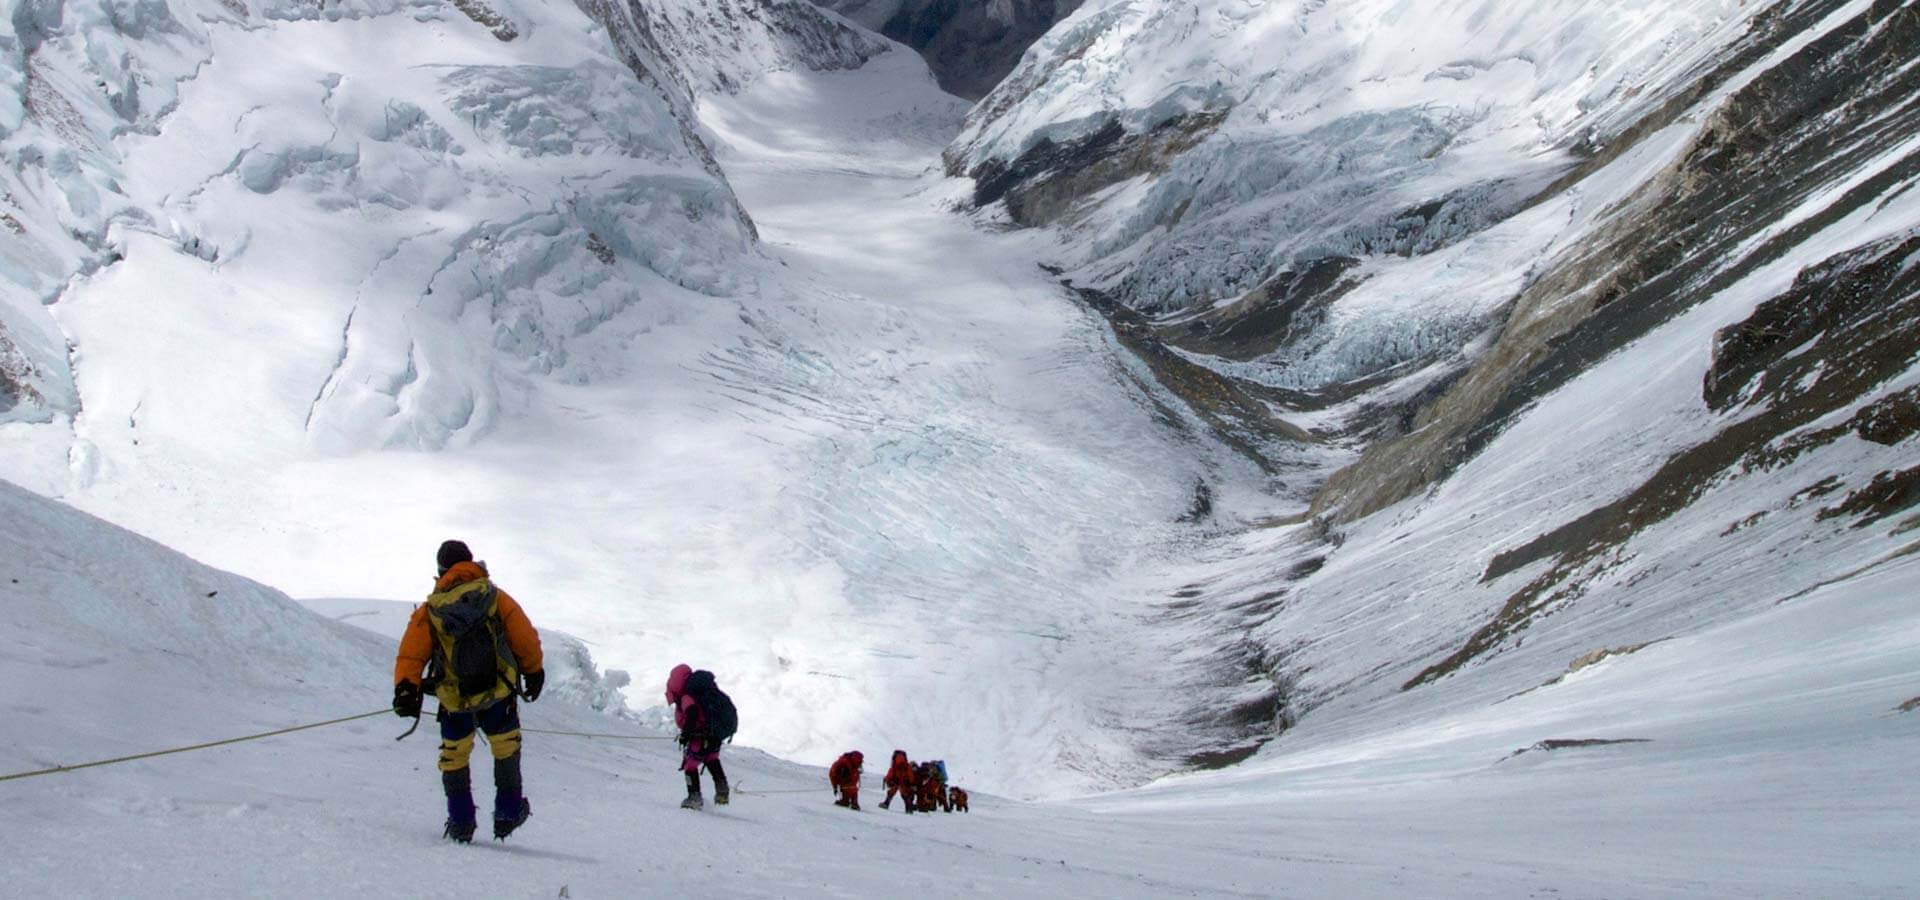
210, 744
866, 781
594, 734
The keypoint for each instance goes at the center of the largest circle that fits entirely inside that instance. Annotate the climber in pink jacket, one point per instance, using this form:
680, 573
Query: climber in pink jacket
686, 691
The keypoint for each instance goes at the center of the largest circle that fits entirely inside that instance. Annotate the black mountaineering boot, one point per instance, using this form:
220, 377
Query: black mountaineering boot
510, 806
693, 800
720, 791
505, 826
459, 788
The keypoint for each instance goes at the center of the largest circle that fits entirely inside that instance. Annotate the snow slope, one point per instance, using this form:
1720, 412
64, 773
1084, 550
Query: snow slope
1775, 765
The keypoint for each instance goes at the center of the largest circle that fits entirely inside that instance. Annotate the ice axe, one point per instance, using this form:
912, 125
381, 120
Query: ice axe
410, 731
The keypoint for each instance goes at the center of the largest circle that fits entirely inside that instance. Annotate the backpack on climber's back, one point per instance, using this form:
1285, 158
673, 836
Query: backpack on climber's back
472, 665
722, 719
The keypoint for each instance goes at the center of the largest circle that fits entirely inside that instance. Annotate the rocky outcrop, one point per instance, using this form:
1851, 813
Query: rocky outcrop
1240, 191
16, 380
1783, 141
1738, 205
970, 46
724, 45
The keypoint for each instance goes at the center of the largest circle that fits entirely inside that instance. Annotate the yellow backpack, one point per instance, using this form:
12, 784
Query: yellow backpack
472, 665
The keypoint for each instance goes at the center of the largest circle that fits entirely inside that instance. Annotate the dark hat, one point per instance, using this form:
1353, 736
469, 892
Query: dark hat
452, 552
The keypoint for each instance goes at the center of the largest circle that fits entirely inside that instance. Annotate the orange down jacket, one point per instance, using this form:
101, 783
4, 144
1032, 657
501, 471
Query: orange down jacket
900, 774
416, 645
845, 772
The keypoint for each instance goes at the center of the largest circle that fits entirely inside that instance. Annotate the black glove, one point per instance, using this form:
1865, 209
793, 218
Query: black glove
406, 700
530, 685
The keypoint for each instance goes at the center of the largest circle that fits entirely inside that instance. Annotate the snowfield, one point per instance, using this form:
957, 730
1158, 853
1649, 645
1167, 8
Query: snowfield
1775, 764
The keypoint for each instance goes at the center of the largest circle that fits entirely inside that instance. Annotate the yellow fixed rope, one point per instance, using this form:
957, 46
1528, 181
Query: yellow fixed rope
592, 734
207, 745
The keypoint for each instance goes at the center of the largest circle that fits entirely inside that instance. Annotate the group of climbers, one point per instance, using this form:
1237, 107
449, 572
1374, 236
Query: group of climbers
922, 787
471, 646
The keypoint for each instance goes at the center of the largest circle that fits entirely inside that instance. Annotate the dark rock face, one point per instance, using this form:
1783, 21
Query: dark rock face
1041, 186
972, 44
12, 388
969, 44
1811, 369
1846, 326
14, 374
1869, 304
1800, 128
1238, 413
722, 45
1281, 310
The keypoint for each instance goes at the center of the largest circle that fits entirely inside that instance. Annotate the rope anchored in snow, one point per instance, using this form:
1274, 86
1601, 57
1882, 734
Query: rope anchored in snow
593, 734
205, 746
865, 781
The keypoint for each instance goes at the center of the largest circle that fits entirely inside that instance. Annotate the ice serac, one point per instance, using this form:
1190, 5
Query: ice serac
1605, 318
970, 44
423, 208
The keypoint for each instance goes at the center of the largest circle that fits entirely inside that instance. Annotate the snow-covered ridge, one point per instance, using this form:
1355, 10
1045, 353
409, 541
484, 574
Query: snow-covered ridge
1203, 155
1696, 402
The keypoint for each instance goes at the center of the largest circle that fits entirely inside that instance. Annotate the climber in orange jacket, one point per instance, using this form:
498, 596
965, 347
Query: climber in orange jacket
844, 775
932, 790
899, 780
480, 655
